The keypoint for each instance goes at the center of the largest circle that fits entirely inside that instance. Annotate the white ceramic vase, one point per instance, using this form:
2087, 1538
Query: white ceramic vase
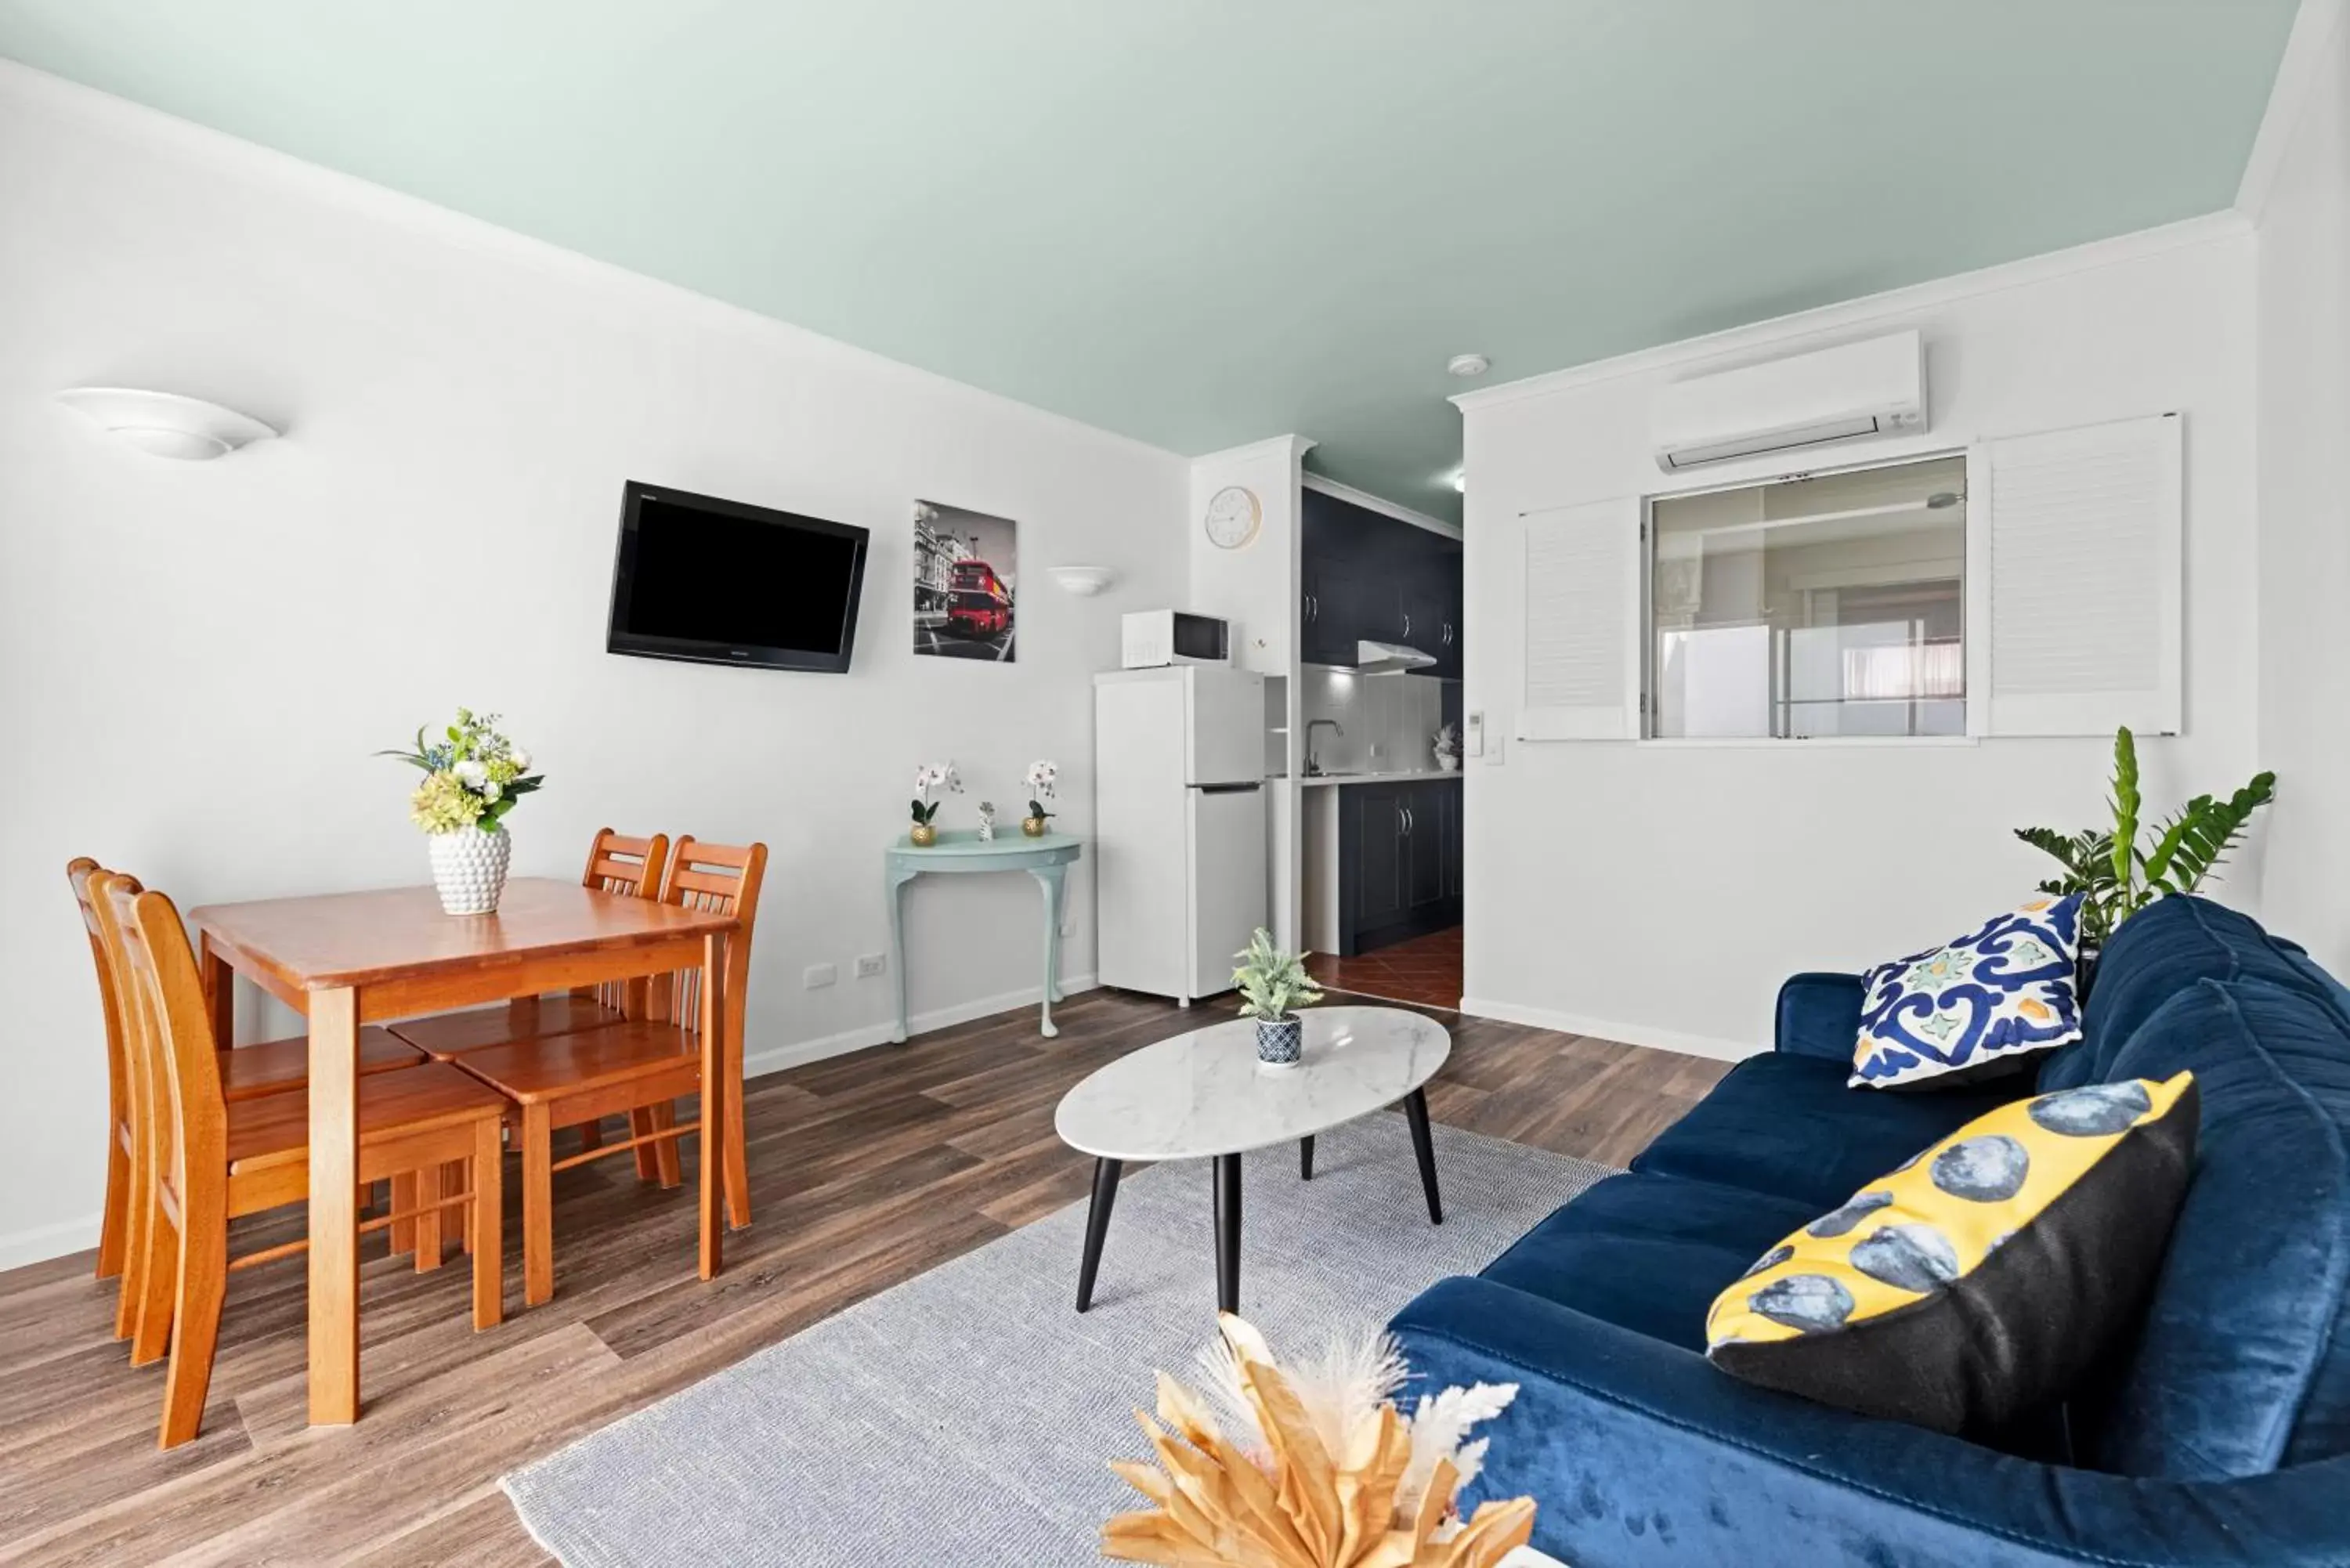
469, 869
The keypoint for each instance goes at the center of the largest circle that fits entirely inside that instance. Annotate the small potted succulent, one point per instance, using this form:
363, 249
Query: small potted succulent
472, 776
1272, 983
933, 782
1040, 779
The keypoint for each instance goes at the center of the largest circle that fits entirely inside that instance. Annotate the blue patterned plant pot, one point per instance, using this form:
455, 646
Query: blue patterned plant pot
1280, 1041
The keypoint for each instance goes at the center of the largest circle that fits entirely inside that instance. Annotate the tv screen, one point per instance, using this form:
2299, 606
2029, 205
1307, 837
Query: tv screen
722, 583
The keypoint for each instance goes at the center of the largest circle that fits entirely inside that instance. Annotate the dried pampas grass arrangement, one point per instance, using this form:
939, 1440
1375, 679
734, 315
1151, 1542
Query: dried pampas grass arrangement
1319, 1469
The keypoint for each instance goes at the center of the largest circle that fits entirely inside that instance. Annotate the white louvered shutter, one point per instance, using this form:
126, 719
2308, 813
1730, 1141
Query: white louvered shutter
2073, 558
1582, 679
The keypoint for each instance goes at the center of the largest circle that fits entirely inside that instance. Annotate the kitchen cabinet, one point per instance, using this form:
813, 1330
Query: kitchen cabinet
1371, 835
1432, 613
1399, 848
1342, 594
1368, 576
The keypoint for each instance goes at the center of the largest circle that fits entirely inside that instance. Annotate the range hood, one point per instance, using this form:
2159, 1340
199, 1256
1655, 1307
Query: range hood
1387, 658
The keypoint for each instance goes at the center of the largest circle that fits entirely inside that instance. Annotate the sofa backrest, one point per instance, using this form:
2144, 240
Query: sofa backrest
2243, 1363
2159, 952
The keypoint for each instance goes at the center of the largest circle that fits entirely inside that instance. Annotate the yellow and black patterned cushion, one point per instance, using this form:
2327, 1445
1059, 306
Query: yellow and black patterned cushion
1980, 1279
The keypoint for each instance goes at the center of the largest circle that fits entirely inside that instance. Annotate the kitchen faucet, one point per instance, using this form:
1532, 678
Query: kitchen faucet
1314, 768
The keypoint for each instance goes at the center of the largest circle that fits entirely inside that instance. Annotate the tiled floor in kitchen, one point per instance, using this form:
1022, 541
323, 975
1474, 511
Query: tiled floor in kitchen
1424, 969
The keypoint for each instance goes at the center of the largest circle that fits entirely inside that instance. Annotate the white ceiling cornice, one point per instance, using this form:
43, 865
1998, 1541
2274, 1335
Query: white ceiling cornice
2314, 27
1380, 504
186, 141
2229, 224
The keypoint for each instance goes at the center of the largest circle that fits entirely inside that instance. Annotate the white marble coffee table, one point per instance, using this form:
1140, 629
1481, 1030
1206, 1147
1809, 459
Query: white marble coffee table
1204, 1096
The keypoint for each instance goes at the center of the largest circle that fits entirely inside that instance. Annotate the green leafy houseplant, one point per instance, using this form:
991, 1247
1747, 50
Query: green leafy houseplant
2122, 869
1271, 982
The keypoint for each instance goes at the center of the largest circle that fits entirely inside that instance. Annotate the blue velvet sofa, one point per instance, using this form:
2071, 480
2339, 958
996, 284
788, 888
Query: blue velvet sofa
2218, 1432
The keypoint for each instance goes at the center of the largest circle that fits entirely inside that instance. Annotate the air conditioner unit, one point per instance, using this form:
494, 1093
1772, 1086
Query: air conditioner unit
1872, 388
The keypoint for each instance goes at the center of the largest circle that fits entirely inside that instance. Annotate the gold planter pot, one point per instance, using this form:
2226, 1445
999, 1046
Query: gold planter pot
922, 835
1034, 827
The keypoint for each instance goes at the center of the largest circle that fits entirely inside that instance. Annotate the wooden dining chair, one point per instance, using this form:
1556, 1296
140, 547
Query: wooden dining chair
115, 1219
216, 1160
616, 863
246, 1073
641, 1066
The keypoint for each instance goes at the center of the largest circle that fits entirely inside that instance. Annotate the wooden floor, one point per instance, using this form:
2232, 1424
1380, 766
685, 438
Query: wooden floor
1424, 970
866, 1171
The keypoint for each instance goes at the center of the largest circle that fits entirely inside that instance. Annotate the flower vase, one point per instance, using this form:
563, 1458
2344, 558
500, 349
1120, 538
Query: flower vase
469, 869
1280, 1041
1034, 827
922, 835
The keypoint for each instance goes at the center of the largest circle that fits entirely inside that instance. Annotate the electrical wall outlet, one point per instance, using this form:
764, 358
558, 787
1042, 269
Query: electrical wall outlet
870, 964
820, 975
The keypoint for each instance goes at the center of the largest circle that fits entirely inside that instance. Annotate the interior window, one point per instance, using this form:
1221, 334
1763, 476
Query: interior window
1832, 605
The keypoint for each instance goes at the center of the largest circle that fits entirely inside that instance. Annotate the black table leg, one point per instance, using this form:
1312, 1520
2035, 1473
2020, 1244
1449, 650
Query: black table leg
1097, 1226
1415, 1111
1305, 1158
1228, 1232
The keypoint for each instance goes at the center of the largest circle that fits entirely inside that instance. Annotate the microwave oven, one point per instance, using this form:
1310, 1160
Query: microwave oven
1153, 637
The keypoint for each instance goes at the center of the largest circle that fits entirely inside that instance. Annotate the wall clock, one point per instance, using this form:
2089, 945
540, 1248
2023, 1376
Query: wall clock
1233, 516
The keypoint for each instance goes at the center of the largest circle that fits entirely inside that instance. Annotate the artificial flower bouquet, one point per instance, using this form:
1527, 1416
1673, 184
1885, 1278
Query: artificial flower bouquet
472, 776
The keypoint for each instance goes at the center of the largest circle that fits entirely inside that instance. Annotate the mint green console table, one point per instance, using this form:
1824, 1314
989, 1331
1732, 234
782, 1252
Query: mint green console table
961, 849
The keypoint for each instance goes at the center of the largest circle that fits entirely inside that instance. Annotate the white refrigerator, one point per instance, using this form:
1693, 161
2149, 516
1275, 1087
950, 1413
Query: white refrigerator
1179, 826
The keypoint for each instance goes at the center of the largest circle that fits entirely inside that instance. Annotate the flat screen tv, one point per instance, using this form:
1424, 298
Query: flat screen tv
718, 582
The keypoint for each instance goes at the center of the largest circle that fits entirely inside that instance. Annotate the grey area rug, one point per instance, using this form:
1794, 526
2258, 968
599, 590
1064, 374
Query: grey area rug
964, 1417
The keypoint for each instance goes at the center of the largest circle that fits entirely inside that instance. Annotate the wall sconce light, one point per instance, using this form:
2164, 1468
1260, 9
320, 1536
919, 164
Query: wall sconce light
1083, 581
165, 425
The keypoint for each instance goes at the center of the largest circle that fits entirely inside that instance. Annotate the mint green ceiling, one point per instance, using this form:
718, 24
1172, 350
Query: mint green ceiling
1206, 222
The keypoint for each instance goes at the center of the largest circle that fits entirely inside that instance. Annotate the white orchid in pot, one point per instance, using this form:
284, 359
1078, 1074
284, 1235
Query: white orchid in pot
933, 782
1042, 778
472, 776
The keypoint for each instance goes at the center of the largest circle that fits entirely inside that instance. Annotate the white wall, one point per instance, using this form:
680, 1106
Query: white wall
197, 658
2304, 501
1255, 589
1660, 894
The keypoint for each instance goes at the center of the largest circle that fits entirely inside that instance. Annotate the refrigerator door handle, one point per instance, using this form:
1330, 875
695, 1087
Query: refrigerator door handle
1227, 788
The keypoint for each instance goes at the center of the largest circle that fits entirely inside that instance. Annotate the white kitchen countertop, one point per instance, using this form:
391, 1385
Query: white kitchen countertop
1397, 776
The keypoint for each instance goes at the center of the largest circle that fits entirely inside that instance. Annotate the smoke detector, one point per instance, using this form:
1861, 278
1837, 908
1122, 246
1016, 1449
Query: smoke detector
1468, 364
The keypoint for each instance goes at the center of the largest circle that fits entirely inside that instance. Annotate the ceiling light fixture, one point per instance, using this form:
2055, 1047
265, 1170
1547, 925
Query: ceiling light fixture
1468, 364
166, 424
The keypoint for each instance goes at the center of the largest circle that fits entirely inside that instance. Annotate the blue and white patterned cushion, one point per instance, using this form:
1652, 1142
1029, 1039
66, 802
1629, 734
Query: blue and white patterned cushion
1975, 1008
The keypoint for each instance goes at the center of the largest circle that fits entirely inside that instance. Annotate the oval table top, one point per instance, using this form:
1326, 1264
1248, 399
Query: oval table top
1205, 1093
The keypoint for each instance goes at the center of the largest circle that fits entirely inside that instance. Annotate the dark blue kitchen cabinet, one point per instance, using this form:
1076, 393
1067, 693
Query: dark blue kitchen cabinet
1367, 577
1399, 846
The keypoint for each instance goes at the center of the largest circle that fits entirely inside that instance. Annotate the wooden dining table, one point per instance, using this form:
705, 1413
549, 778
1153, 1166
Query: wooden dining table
343, 960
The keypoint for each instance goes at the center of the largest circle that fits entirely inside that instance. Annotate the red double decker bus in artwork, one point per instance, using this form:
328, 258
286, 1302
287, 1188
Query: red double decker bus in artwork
978, 604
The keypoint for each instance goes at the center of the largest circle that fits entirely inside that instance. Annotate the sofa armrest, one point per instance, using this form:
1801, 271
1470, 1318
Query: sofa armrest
1639, 1453
1819, 1015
